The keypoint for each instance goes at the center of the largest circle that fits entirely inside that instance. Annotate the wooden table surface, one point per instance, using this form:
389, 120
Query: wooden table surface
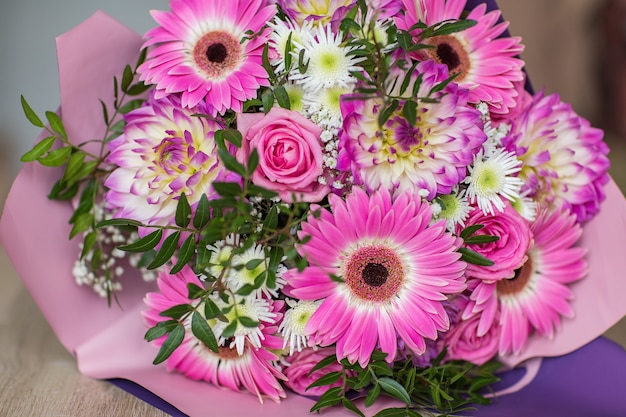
38, 377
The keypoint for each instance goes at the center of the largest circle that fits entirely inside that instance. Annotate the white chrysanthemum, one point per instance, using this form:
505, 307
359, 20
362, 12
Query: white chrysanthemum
492, 178
525, 206
257, 309
326, 103
220, 254
294, 322
240, 275
282, 30
296, 97
454, 209
329, 64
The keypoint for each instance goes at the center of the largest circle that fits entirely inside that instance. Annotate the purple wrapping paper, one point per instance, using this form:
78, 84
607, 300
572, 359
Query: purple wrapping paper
586, 383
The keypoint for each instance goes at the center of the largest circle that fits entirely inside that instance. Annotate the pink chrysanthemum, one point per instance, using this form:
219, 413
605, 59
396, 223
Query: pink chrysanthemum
255, 370
204, 52
564, 159
395, 273
537, 296
432, 155
165, 151
485, 62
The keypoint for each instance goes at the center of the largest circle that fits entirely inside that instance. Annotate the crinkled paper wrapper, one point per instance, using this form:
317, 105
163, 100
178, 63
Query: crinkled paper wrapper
108, 341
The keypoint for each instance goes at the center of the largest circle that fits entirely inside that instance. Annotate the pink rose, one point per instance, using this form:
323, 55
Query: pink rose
290, 153
300, 363
464, 343
508, 253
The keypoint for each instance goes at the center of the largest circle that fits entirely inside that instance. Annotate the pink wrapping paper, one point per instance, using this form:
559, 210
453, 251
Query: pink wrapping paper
108, 341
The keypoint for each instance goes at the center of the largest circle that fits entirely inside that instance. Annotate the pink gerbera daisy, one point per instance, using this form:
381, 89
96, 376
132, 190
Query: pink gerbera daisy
486, 63
537, 296
395, 271
204, 51
255, 370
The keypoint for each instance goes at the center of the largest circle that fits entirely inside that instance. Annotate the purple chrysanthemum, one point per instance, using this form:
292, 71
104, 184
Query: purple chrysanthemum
395, 271
431, 155
164, 151
564, 159
204, 51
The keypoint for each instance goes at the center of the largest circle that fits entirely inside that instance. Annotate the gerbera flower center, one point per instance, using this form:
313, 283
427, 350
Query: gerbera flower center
449, 51
374, 273
229, 353
519, 281
217, 54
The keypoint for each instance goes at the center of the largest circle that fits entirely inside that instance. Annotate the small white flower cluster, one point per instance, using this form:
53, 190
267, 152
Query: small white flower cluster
494, 134
105, 279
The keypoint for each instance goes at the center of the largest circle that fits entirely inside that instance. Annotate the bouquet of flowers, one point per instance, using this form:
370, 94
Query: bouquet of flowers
341, 199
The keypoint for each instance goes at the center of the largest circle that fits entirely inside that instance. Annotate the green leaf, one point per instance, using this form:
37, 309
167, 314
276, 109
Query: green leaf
88, 243
127, 78
174, 339
230, 162
394, 389
81, 224
56, 157
409, 111
271, 220
137, 88
38, 150
118, 222
328, 399
183, 211
194, 291
227, 189
201, 329
87, 169
387, 112
392, 412
73, 166
348, 404
60, 191
145, 243
30, 113
142, 57
56, 123
211, 310
372, 395
160, 329
328, 379
329, 360
229, 331
267, 98
478, 239
253, 263
470, 230
231, 135
185, 253
177, 311
203, 213
130, 106
166, 251
248, 322
282, 97
453, 27
475, 258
